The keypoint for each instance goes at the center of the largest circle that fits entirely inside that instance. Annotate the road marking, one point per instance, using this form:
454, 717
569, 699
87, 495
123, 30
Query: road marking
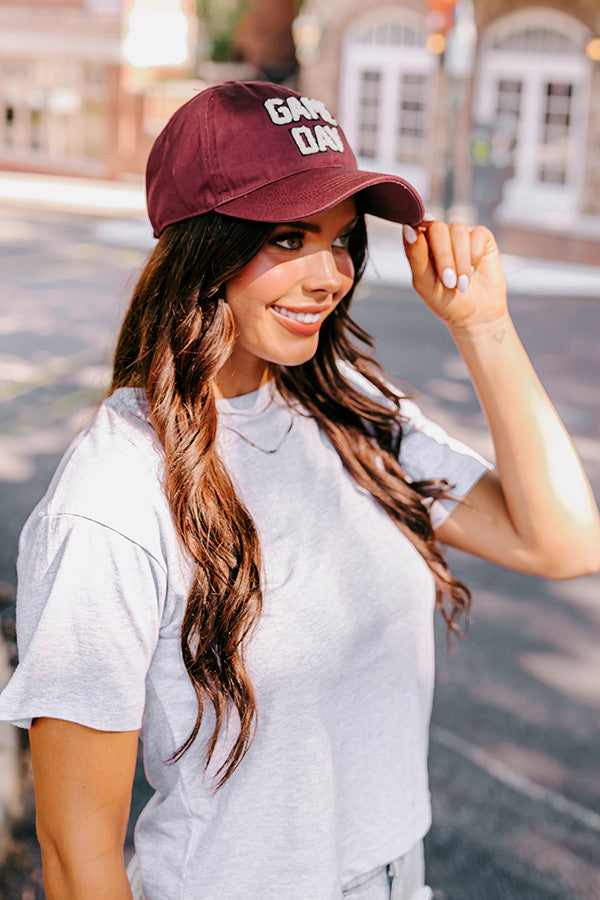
521, 783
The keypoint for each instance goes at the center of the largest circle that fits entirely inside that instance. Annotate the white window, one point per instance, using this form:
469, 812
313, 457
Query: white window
388, 88
533, 91
8, 124
368, 113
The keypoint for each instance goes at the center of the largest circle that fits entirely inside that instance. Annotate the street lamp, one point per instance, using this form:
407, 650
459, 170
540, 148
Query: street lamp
592, 49
440, 20
453, 36
307, 32
462, 40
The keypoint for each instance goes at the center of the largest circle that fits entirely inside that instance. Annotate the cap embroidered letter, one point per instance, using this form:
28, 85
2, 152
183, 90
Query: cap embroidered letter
279, 114
305, 140
328, 138
299, 110
318, 108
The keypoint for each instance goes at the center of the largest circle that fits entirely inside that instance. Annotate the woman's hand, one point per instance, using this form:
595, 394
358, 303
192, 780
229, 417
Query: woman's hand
457, 271
536, 513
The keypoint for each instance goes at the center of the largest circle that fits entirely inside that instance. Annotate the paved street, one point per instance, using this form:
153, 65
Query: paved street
515, 763
515, 754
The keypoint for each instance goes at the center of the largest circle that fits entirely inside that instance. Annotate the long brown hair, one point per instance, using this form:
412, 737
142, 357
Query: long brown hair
176, 335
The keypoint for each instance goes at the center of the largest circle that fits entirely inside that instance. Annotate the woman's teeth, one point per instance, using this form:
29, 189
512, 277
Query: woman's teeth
307, 318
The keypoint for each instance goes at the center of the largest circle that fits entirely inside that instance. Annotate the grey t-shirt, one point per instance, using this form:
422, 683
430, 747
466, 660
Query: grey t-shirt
342, 659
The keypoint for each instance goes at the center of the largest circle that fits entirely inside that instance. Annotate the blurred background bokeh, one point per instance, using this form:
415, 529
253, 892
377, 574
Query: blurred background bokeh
492, 109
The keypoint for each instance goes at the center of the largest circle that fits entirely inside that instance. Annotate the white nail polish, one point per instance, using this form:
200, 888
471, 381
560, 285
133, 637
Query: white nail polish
472, 271
410, 235
428, 217
463, 283
449, 278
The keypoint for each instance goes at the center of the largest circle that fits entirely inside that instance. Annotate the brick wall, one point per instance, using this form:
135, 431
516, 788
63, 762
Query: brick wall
54, 4
321, 79
587, 11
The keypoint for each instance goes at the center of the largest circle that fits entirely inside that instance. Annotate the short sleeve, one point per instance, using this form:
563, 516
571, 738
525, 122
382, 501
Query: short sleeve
88, 615
427, 451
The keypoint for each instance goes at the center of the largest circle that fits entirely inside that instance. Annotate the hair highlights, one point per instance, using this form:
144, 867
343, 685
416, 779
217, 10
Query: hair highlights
177, 334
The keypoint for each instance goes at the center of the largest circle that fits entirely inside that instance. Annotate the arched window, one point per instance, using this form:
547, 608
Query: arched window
533, 92
388, 89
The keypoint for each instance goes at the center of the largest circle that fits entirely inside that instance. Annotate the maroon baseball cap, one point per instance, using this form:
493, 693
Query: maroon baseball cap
259, 151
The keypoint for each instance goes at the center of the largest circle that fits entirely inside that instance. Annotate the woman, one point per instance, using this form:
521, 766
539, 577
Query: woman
239, 556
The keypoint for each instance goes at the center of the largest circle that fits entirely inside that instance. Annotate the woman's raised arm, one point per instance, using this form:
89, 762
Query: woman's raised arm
83, 780
536, 514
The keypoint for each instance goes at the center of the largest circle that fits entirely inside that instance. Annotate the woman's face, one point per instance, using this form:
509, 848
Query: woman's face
282, 297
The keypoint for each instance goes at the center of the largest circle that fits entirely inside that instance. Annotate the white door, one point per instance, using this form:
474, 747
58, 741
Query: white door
533, 92
388, 83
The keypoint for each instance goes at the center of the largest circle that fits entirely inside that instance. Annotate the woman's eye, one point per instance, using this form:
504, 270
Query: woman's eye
343, 241
289, 241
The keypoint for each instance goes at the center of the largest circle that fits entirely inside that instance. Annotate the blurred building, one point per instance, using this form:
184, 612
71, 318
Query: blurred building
485, 104
491, 107
84, 84
69, 101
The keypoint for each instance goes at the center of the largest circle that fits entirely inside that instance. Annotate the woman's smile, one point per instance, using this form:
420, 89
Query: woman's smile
302, 321
282, 297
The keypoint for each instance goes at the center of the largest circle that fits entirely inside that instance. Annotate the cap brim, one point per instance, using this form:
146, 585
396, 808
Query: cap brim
310, 192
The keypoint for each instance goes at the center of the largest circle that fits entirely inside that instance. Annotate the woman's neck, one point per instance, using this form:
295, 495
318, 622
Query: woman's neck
233, 382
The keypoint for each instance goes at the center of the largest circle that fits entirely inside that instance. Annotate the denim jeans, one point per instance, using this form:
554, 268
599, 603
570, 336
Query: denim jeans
402, 879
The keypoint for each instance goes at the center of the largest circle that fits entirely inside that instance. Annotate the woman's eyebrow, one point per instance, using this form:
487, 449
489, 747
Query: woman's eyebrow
316, 229
351, 224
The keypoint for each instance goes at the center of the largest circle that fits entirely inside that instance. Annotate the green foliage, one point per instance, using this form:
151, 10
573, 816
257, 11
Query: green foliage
221, 18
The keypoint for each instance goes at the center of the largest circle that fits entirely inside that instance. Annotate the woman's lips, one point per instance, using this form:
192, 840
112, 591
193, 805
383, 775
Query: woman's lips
303, 322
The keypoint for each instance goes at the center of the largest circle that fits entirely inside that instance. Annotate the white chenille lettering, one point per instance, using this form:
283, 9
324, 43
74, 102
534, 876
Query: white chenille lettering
328, 138
298, 109
305, 140
278, 112
319, 110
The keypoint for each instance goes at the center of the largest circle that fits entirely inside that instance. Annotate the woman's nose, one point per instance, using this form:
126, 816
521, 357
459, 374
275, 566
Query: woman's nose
323, 275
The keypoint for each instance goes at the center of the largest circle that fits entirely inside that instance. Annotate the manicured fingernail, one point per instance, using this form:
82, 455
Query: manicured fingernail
428, 217
472, 271
449, 278
463, 283
410, 235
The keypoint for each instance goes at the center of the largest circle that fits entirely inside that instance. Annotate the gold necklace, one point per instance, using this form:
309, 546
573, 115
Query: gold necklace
257, 446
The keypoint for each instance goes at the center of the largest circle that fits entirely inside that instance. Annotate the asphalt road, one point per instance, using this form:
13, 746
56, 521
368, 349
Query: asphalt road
515, 751
515, 761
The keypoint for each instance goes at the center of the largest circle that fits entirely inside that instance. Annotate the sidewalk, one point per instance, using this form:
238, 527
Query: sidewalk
126, 224
388, 265
9, 761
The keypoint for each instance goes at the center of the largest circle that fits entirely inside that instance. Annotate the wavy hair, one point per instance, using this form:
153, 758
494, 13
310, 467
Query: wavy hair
176, 335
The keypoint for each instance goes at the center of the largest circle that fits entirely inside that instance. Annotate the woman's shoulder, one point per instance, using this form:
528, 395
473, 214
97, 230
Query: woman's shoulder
408, 410
119, 447
113, 472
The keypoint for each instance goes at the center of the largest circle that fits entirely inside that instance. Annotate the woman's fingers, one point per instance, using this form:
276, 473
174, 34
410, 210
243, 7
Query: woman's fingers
417, 252
442, 251
461, 245
439, 252
454, 250
457, 271
450, 248
479, 239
